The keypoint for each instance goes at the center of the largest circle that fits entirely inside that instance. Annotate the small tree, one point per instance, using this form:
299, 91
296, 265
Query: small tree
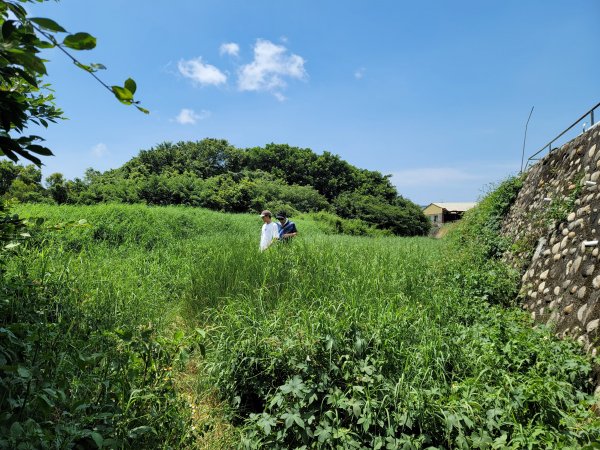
57, 188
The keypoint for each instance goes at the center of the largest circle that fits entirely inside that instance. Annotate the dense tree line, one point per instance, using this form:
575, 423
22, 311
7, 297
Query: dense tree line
214, 174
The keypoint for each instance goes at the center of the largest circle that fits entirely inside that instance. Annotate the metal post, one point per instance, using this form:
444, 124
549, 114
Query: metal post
524, 138
592, 118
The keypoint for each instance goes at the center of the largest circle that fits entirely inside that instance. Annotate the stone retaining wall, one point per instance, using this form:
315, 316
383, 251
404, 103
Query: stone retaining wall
557, 213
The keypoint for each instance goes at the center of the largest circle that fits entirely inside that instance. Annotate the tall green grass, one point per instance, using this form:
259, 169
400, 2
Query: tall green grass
326, 342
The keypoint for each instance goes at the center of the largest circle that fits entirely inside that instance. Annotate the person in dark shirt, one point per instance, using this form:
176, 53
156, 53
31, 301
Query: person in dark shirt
287, 228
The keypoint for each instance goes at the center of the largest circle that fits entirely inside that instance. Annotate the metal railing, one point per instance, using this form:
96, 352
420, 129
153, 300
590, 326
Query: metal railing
548, 146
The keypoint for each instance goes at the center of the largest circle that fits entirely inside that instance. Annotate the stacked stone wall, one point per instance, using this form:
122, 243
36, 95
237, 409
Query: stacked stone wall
554, 229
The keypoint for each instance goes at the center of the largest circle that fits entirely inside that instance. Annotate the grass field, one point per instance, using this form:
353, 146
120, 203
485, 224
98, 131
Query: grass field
327, 342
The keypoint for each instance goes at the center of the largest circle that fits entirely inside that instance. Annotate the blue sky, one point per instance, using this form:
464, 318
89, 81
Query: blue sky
435, 93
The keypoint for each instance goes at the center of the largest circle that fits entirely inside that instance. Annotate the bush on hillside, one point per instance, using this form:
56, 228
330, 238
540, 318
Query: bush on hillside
211, 173
331, 223
479, 229
404, 218
476, 242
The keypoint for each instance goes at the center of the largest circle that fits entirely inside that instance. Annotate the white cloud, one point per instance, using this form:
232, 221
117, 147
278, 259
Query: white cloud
99, 150
437, 176
200, 73
190, 117
271, 65
359, 73
229, 48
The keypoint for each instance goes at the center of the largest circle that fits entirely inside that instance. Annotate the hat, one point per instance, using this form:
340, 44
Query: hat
280, 215
266, 212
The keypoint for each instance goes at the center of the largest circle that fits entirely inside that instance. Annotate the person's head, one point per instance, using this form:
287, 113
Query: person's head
281, 216
266, 216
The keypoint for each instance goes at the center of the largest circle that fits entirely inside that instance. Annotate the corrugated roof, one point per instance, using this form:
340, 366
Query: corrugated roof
456, 206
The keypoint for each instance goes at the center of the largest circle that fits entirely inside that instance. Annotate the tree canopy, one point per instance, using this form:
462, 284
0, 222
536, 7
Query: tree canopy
212, 173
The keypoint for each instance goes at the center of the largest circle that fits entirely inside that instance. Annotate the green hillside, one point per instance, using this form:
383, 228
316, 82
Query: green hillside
173, 331
213, 174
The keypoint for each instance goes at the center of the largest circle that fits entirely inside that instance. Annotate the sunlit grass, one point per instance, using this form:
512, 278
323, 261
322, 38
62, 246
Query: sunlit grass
446, 368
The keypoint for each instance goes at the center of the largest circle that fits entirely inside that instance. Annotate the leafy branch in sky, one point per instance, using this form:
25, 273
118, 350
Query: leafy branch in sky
24, 98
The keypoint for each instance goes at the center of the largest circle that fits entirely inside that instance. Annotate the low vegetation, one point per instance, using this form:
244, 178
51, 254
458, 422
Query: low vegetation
164, 327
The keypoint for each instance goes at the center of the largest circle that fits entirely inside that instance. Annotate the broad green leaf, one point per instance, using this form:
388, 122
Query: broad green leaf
80, 41
25, 154
179, 335
130, 85
17, 10
299, 421
40, 150
48, 24
10, 155
123, 94
16, 430
289, 419
46, 44
46, 400
97, 438
27, 60
24, 372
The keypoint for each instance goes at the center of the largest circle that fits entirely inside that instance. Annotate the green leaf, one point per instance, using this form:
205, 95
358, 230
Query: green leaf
124, 95
16, 430
25, 154
130, 85
80, 41
29, 77
40, 150
84, 67
17, 10
47, 24
97, 438
27, 60
10, 155
299, 421
139, 431
8, 28
144, 110
23, 371
46, 44
91, 68
178, 336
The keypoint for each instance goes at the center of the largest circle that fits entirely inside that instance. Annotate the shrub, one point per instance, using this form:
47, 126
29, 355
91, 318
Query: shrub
403, 218
479, 230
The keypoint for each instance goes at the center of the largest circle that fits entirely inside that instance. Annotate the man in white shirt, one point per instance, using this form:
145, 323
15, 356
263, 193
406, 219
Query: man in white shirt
269, 232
